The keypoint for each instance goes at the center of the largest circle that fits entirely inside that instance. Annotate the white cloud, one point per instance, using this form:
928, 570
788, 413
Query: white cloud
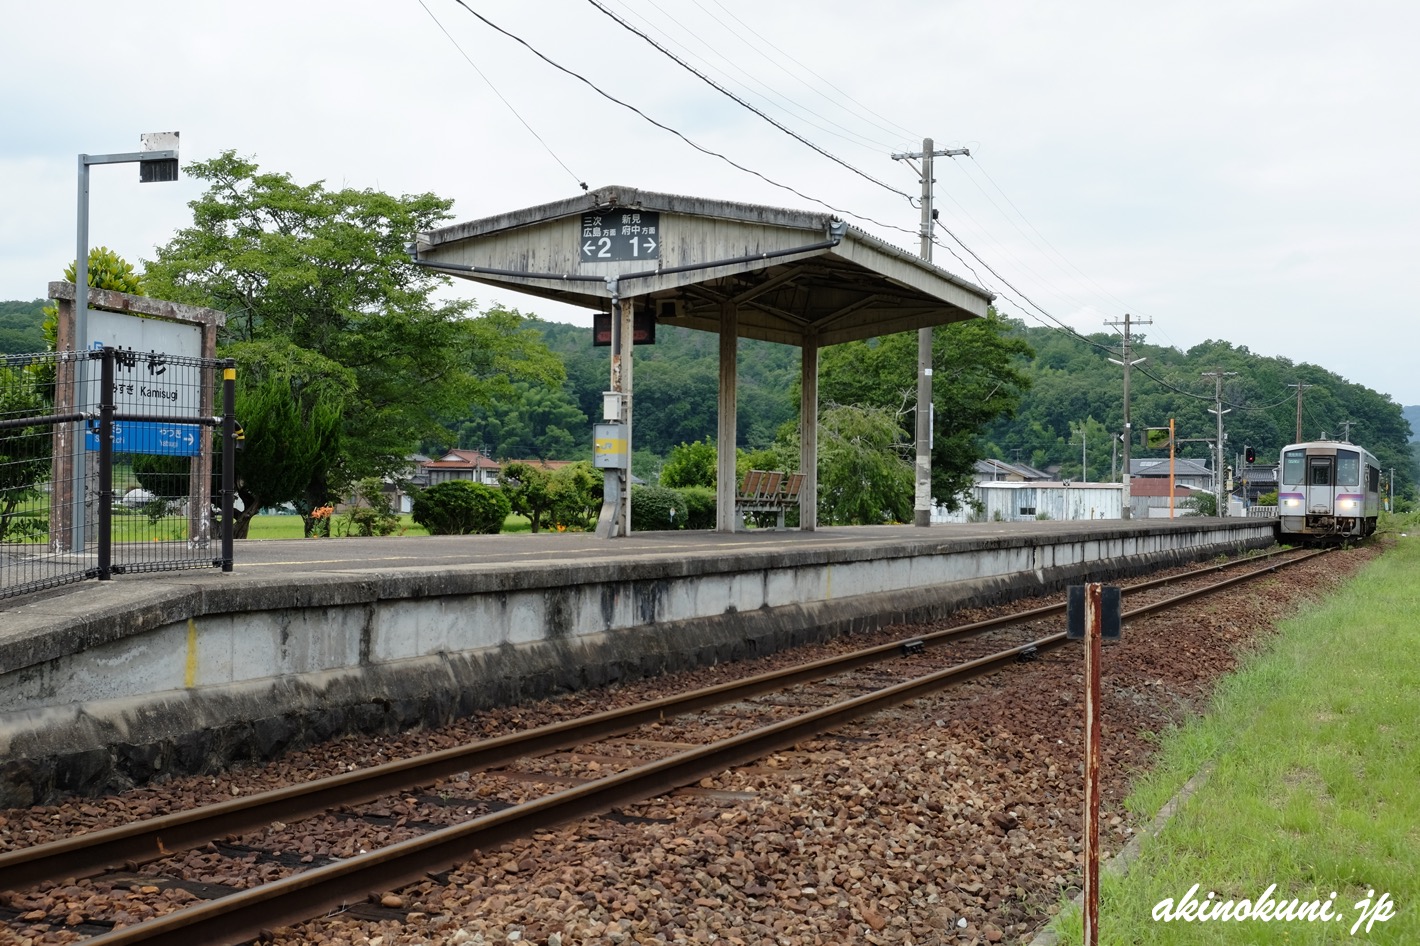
1238, 171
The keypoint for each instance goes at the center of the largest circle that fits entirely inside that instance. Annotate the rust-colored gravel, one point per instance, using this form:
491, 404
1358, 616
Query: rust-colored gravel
951, 819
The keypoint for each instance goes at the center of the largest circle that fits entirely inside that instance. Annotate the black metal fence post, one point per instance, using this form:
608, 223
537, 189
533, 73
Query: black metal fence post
229, 458
106, 497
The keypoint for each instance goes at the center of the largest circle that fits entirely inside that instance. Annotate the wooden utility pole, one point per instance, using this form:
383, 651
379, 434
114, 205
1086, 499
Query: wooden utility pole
922, 502
1128, 430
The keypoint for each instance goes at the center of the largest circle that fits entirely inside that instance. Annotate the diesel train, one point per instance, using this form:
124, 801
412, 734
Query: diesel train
1327, 489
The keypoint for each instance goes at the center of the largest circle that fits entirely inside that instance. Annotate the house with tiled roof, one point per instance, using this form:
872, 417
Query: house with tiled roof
462, 464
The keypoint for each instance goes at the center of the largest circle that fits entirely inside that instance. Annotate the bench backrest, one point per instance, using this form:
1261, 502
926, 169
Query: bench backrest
792, 484
750, 488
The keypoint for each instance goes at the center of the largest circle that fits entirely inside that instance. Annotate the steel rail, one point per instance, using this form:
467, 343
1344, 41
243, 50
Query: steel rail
244, 915
247, 914
132, 844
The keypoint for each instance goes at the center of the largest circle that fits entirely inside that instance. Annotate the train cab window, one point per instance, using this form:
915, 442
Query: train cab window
1348, 468
1294, 465
1319, 471
1373, 479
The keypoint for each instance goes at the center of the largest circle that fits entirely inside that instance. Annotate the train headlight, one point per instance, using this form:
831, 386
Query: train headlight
1347, 504
1291, 502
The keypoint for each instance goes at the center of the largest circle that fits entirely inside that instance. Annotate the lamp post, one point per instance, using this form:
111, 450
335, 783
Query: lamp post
157, 162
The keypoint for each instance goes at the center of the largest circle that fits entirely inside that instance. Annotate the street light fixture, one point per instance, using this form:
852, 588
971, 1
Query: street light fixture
157, 162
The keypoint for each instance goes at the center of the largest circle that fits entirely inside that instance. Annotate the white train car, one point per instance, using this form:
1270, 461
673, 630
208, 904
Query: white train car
1327, 489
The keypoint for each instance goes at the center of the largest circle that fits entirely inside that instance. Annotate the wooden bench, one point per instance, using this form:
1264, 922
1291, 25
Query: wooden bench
765, 491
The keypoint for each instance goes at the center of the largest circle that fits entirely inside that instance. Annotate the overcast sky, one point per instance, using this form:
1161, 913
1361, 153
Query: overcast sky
1231, 170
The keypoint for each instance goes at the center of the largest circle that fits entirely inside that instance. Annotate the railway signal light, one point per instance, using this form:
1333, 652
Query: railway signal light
1250, 455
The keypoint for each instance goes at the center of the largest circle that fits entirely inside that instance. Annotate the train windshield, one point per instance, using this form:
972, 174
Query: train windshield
1294, 466
1348, 468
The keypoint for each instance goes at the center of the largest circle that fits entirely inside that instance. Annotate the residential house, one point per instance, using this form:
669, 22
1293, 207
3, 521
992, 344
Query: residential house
999, 471
1194, 473
462, 465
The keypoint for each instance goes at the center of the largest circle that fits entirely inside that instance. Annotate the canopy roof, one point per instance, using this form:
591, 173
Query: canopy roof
794, 276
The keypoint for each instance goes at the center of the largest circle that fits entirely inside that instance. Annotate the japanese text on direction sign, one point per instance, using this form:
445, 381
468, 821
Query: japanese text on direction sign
618, 235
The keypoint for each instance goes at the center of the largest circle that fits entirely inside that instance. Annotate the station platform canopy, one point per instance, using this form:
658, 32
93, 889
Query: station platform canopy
739, 270
795, 277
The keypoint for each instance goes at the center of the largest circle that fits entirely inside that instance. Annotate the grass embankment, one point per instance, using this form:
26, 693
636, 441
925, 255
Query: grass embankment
1312, 753
289, 527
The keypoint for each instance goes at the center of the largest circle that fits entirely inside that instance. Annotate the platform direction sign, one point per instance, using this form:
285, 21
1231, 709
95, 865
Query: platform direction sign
613, 236
151, 437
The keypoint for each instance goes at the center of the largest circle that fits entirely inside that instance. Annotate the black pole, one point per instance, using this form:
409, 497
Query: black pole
229, 457
106, 411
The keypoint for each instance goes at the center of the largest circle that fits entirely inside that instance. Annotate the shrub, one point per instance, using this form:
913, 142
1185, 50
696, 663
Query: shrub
371, 514
700, 506
654, 508
690, 464
461, 508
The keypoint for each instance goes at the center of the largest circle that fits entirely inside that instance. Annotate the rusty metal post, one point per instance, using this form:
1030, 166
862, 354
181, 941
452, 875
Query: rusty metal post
1093, 624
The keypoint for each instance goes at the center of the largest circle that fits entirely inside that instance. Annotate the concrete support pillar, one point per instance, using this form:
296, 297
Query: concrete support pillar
808, 429
725, 518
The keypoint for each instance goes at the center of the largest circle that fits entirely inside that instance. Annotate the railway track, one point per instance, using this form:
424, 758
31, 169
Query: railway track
768, 712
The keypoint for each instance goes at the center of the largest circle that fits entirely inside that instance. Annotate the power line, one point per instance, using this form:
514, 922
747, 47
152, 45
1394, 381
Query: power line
664, 127
735, 98
895, 130
1059, 255
781, 101
501, 98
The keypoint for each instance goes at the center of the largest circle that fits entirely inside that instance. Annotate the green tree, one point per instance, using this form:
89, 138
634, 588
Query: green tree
864, 474
21, 327
327, 271
576, 491
24, 452
291, 405
978, 377
529, 491
371, 512
534, 421
691, 464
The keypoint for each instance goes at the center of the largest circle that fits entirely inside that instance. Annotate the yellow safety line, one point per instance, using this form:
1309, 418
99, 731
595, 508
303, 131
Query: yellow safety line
189, 677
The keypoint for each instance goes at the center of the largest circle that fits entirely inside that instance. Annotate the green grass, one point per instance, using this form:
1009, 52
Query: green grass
1313, 781
289, 527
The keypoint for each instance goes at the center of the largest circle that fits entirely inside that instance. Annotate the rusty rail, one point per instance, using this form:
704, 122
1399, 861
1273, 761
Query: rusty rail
129, 845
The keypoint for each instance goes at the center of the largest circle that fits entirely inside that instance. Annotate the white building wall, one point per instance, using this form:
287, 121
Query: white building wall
1019, 502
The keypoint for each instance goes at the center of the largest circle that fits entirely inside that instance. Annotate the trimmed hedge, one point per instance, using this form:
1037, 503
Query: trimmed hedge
700, 504
656, 508
460, 507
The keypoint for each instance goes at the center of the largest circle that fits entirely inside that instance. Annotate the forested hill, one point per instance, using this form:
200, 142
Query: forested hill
20, 322
1412, 415
676, 383
1074, 405
1076, 387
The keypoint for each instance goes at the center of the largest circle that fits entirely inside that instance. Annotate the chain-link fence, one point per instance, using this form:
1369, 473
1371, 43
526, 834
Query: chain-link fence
107, 466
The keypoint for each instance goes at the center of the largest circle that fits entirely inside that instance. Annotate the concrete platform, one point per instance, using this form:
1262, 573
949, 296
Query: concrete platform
107, 684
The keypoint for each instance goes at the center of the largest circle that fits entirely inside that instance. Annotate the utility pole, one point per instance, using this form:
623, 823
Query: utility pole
1300, 388
1346, 431
1218, 377
922, 503
1128, 431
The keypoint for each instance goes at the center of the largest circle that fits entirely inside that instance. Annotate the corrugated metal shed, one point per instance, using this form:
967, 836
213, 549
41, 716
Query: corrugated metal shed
1016, 501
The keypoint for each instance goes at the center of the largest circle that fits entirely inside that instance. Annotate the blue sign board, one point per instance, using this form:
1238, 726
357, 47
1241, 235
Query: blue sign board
151, 437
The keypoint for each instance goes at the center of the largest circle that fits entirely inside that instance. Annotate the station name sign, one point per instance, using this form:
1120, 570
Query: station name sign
615, 236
